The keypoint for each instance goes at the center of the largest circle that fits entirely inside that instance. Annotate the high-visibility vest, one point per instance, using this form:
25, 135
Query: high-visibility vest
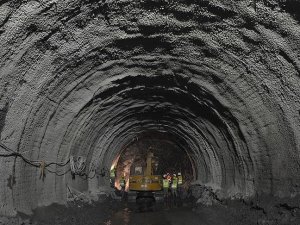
113, 173
122, 182
179, 180
165, 183
174, 183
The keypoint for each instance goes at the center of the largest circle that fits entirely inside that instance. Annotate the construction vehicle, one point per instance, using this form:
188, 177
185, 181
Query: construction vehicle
143, 179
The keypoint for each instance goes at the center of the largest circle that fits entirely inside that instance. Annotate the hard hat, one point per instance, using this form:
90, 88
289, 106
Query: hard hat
174, 175
179, 174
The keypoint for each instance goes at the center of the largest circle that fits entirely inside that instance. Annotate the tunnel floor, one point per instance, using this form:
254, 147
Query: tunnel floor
111, 212
120, 213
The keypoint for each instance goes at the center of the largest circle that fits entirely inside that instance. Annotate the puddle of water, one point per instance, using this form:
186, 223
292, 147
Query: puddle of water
130, 215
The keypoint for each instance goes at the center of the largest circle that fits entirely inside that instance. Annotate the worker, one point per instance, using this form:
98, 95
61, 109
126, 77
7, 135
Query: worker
112, 176
166, 186
123, 184
169, 178
180, 186
174, 187
180, 181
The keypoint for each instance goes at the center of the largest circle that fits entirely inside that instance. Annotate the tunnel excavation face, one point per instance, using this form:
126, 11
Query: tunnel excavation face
169, 154
217, 80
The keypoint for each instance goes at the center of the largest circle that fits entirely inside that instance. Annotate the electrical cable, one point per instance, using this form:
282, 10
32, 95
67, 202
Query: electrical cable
76, 166
35, 163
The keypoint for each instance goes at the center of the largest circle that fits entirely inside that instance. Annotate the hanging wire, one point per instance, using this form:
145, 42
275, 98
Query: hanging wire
77, 164
35, 163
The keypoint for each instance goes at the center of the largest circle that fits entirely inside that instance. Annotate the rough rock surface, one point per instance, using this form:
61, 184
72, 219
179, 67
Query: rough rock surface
204, 195
85, 77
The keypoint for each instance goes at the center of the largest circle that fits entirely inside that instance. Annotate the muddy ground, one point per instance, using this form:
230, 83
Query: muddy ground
261, 211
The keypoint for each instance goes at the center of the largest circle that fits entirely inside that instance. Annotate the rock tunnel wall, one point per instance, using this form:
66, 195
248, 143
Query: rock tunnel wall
85, 77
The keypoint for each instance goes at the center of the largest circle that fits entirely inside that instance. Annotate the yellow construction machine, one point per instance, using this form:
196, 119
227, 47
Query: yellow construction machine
143, 179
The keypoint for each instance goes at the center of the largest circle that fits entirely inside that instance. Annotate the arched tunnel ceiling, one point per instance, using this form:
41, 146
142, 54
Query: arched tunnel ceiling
86, 77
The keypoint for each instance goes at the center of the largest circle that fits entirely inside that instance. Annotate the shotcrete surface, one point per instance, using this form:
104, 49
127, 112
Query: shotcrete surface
85, 78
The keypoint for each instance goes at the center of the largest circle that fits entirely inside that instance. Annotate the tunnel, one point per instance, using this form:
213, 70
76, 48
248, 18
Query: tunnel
211, 86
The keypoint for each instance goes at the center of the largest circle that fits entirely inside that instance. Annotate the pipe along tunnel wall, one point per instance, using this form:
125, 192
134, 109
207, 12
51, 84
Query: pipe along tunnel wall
85, 78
